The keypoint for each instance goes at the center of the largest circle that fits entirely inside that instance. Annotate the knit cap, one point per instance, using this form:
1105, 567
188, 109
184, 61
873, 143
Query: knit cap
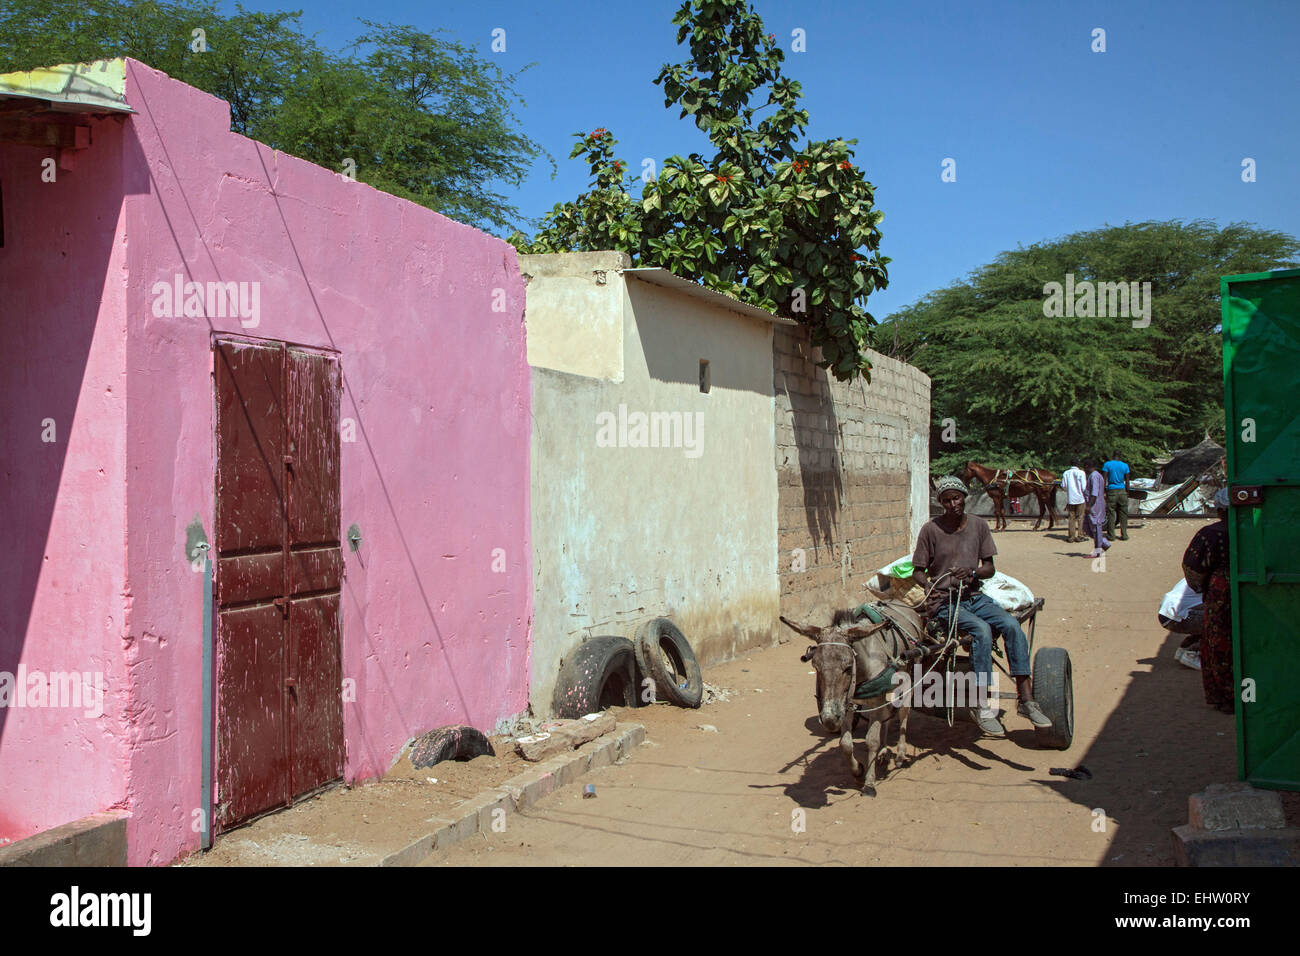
949, 483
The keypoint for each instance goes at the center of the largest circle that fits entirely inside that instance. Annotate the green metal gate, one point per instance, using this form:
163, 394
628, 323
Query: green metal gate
1261, 368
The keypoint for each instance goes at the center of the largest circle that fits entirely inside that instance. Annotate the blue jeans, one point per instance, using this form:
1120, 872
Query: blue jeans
979, 616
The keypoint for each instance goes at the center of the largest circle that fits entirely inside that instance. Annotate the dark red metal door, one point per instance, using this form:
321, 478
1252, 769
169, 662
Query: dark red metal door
315, 570
279, 568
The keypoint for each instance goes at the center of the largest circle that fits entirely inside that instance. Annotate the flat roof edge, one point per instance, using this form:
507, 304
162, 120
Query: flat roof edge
670, 280
98, 87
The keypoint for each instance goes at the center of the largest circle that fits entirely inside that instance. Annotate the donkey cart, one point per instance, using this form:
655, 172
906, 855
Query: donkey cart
858, 657
1052, 678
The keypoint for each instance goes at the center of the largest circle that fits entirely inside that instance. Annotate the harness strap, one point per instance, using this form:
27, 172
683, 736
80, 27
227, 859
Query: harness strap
882, 682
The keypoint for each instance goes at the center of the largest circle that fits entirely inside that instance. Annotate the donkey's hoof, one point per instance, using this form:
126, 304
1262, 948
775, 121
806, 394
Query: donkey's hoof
869, 790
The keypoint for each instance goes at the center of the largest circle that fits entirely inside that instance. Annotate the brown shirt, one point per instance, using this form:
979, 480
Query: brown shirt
938, 551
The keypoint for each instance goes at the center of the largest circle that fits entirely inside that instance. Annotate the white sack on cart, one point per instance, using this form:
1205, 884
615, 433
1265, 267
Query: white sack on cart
1009, 593
1005, 591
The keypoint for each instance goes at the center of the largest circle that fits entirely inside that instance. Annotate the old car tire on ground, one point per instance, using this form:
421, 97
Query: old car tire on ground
665, 656
455, 742
1054, 691
598, 673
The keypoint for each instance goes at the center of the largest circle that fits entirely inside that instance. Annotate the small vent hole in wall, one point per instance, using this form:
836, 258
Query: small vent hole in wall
704, 375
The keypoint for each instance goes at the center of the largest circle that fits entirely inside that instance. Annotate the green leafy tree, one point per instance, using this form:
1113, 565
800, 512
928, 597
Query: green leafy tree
1023, 389
421, 116
790, 228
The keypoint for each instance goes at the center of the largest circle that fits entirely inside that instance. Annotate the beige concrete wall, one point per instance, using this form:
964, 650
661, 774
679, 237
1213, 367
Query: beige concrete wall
574, 315
625, 534
853, 474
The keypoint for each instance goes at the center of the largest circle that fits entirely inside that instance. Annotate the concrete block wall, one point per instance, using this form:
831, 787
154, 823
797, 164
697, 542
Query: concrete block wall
852, 474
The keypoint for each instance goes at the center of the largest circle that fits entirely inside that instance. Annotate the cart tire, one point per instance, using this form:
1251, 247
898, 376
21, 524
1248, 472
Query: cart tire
1054, 691
660, 643
598, 673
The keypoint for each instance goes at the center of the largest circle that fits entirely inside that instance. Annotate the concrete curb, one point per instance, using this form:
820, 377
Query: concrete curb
96, 840
519, 793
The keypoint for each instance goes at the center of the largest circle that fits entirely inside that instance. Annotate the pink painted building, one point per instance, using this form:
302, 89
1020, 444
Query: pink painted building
217, 351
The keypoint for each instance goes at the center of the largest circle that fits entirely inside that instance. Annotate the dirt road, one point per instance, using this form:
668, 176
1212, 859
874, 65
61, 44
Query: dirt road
735, 796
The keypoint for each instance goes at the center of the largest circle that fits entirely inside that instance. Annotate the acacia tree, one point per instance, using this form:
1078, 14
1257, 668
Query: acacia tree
1024, 389
421, 116
788, 227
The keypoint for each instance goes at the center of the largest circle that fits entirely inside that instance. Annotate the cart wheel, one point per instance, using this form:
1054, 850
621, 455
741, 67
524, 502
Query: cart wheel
1054, 691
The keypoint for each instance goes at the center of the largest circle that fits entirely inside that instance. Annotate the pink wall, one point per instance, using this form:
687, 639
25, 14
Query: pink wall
437, 478
62, 567
436, 382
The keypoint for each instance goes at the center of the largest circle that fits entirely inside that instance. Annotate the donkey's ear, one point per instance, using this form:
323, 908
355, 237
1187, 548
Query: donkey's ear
858, 631
807, 655
807, 630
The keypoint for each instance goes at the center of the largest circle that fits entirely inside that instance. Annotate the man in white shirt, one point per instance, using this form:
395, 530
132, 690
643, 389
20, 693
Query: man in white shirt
1074, 482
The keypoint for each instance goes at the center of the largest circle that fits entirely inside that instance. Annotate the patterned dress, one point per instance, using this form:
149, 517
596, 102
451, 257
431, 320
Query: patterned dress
1207, 555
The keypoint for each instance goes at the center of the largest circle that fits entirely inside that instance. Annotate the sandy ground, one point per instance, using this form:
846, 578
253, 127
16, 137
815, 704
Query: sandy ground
737, 795
359, 826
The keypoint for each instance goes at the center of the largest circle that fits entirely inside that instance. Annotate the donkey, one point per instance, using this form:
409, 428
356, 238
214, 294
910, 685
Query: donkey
846, 654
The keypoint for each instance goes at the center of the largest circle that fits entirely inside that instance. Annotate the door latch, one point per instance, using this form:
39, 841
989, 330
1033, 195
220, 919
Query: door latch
1247, 495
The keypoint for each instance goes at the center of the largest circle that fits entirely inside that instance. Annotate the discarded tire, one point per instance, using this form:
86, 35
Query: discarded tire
665, 656
1054, 691
599, 673
457, 742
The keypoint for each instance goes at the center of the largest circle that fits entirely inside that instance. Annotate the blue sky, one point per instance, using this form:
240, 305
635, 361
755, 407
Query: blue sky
1048, 137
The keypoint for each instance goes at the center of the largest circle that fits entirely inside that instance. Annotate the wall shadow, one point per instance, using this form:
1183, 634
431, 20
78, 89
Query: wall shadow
58, 240
813, 417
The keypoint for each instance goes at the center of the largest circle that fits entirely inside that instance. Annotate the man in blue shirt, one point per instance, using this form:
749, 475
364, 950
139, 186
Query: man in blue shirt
1116, 473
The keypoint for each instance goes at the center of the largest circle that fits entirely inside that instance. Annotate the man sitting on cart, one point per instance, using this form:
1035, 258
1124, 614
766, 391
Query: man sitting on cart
954, 554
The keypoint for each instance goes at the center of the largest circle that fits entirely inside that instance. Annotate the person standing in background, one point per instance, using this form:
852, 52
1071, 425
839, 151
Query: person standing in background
1074, 481
1116, 473
1096, 510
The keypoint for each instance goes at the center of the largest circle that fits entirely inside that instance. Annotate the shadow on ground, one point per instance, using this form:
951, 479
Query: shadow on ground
1137, 782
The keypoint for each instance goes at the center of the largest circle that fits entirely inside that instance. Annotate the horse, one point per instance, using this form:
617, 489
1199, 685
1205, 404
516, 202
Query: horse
847, 654
1000, 483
